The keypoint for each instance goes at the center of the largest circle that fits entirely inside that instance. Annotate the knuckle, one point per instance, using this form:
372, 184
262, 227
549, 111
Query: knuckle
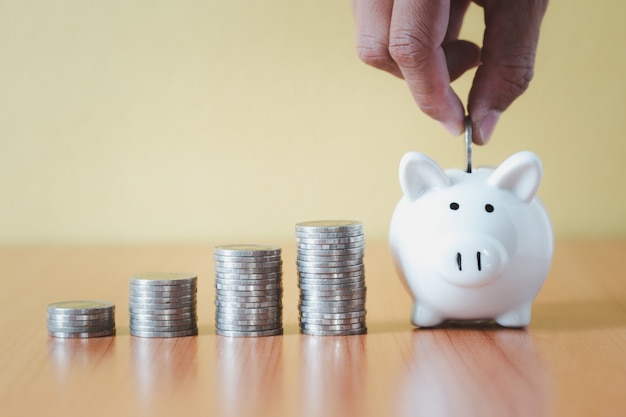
515, 72
517, 79
373, 52
408, 50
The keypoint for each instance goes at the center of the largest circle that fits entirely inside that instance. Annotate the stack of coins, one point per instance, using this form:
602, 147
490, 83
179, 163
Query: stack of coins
249, 290
163, 305
331, 277
81, 319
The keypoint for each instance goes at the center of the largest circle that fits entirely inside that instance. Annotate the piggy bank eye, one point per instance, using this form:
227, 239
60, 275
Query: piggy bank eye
488, 208
454, 206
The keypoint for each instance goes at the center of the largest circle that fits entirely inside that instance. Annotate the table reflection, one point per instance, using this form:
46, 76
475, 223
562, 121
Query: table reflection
163, 367
472, 372
333, 375
250, 375
67, 355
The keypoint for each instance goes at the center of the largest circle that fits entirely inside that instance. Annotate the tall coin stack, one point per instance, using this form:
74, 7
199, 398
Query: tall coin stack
331, 277
81, 319
249, 290
163, 305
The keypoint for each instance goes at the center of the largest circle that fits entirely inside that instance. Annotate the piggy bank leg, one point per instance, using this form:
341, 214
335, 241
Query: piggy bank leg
423, 316
515, 318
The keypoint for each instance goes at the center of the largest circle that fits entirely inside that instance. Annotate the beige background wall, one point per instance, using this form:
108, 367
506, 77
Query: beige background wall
177, 121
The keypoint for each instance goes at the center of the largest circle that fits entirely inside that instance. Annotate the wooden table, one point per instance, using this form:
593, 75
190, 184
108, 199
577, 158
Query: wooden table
571, 361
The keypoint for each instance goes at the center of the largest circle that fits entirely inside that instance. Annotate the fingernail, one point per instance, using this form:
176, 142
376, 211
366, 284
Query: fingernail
488, 124
452, 128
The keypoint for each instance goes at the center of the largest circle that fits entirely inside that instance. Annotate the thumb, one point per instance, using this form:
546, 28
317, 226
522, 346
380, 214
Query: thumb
507, 61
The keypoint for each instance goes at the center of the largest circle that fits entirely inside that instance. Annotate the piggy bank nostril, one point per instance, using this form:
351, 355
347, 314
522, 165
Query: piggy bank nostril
478, 261
459, 261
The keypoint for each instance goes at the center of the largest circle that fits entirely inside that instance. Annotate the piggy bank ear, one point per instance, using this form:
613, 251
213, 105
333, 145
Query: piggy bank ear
419, 174
520, 173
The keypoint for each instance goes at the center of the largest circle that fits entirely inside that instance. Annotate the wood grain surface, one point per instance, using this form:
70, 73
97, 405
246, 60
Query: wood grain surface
571, 361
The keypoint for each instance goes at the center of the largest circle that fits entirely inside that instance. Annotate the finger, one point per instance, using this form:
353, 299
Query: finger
460, 57
418, 29
457, 13
373, 19
508, 59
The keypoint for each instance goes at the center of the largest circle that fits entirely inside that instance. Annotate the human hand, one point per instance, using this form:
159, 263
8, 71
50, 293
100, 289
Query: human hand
417, 40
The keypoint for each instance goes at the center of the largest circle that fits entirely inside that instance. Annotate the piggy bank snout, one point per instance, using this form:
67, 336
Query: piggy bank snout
470, 261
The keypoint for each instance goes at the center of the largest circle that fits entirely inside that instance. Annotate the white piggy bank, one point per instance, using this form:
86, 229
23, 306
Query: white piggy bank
471, 246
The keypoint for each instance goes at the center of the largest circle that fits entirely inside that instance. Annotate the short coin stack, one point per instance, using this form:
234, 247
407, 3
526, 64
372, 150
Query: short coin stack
331, 277
163, 305
81, 319
249, 290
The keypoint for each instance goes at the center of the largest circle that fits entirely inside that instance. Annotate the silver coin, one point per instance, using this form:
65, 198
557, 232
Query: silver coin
277, 281
135, 305
313, 332
312, 299
163, 278
149, 289
302, 256
163, 325
153, 334
81, 307
252, 259
163, 320
162, 300
81, 317
331, 281
302, 265
332, 321
270, 323
332, 288
251, 305
80, 323
246, 328
332, 307
162, 328
320, 315
80, 329
234, 333
333, 246
306, 302
323, 226
249, 311
468, 143
82, 335
248, 314
335, 275
152, 318
163, 294
340, 289
255, 293
162, 311
336, 327
251, 301
248, 320
259, 287
242, 271
244, 276
333, 294
349, 251
338, 270
247, 250
330, 239
249, 265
